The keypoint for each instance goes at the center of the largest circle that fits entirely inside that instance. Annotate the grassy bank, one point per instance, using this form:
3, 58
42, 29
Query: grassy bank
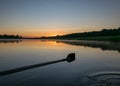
102, 38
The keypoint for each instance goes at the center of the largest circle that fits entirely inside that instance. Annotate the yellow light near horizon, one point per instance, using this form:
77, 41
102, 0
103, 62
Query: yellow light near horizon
42, 33
37, 32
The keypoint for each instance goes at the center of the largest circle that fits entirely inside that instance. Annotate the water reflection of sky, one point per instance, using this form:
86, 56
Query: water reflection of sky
89, 60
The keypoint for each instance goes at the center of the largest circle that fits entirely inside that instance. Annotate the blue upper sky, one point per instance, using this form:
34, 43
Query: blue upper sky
52, 17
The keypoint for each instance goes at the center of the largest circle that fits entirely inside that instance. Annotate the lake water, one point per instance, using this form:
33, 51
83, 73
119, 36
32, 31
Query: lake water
92, 58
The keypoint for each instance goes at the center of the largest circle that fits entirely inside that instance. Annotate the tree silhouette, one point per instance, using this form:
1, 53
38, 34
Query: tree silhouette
103, 32
10, 36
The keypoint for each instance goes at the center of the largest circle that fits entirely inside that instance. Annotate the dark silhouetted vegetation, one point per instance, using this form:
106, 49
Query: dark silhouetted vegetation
105, 34
10, 37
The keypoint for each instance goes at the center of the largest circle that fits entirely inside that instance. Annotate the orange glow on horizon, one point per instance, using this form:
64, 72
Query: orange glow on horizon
41, 35
31, 33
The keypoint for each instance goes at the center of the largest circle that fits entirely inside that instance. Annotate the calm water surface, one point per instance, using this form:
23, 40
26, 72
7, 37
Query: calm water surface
91, 58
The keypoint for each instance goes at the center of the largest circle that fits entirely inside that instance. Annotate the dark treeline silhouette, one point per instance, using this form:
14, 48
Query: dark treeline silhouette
10, 37
104, 32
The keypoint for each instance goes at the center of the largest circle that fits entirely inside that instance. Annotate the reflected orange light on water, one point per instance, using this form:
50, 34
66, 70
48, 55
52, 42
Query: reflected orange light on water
37, 43
26, 45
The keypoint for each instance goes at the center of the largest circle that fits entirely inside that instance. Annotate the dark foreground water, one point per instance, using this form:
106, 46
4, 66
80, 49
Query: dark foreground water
94, 60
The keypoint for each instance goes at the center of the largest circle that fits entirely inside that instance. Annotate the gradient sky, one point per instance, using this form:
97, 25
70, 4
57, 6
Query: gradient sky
34, 18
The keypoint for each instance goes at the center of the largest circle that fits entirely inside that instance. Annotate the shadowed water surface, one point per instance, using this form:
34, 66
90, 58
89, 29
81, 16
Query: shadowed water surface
91, 58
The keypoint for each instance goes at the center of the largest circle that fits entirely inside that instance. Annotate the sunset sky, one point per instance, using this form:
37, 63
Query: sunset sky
35, 18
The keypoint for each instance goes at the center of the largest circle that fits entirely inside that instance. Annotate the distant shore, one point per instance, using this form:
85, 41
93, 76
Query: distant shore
112, 35
104, 38
103, 35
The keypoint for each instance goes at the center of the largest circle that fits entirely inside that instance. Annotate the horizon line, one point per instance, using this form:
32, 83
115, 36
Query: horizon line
54, 35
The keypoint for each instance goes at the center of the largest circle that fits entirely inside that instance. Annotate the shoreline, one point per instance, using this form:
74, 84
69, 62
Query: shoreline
98, 39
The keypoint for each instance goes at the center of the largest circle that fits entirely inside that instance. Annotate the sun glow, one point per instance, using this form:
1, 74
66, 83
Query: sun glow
43, 33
